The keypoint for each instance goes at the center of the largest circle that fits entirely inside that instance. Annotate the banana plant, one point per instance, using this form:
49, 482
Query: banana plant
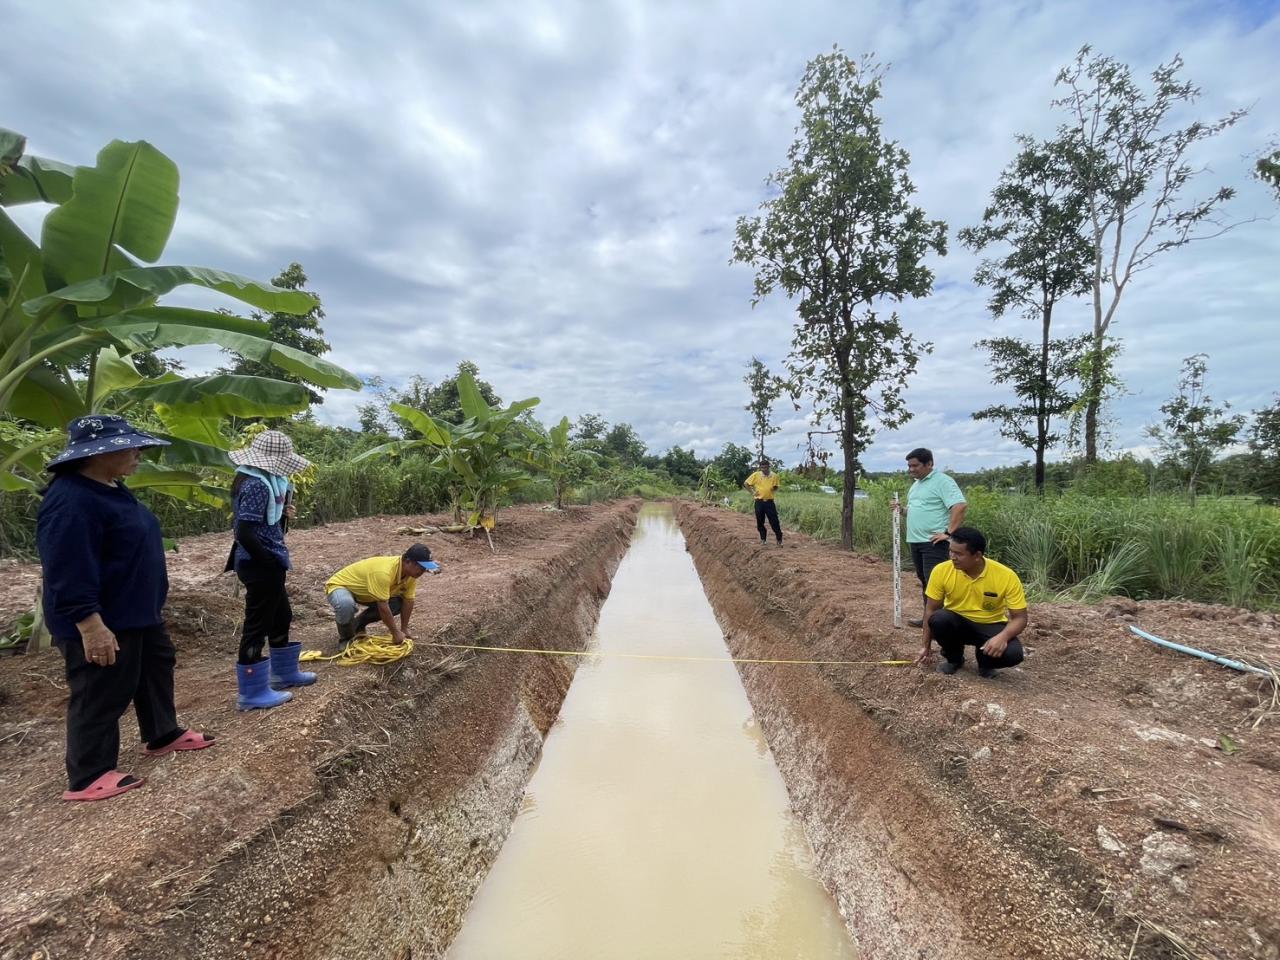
480, 454
555, 455
76, 307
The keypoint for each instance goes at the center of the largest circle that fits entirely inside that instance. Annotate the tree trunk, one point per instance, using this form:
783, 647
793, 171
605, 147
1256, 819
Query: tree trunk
1042, 394
1094, 402
850, 468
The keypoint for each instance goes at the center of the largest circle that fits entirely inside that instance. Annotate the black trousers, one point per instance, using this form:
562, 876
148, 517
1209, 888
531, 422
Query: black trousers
370, 613
142, 675
924, 557
769, 509
267, 614
954, 632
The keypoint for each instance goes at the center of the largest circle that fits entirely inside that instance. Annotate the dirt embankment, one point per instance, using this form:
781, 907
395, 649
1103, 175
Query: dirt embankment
1081, 805
355, 821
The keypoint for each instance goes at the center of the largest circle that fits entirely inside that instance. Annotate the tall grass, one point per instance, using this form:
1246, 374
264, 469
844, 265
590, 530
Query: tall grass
1161, 547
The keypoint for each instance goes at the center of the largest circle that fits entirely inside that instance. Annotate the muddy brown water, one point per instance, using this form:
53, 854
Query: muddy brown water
656, 824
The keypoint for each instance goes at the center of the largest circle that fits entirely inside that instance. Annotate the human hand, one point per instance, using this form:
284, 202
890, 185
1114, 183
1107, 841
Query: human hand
290, 511
100, 646
939, 537
995, 647
926, 655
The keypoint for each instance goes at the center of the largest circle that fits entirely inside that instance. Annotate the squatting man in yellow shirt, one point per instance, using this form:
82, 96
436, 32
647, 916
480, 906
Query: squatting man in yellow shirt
385, 586
973, 602
764, 484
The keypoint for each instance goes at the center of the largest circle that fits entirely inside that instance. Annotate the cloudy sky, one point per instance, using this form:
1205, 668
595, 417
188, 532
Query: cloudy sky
550, 189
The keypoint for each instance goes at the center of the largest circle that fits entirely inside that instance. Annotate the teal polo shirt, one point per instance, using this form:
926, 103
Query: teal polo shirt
929, 503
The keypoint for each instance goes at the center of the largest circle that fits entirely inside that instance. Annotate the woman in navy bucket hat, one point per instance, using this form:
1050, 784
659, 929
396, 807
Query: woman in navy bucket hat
261, 500
104, 589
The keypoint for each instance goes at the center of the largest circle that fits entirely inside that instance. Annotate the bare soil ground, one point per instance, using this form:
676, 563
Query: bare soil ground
1081, 805
354, 821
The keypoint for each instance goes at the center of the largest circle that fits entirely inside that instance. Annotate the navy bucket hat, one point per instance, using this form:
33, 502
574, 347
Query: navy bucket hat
101, 433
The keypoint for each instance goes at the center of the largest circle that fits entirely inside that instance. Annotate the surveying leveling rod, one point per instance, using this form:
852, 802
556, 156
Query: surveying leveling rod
897, 564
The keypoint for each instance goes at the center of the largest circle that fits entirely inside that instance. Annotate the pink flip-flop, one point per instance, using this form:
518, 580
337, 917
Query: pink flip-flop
191, 740
110, 784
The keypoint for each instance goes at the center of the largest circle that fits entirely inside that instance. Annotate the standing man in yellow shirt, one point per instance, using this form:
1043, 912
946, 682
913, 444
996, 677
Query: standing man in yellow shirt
764, 484
384, 585
973, 602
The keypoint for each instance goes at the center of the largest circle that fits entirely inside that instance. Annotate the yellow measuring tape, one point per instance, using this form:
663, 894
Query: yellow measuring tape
379, 649
661, 656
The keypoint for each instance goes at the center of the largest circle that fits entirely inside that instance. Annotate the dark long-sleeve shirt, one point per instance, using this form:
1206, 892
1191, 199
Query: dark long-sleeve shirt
256, 540
102, 552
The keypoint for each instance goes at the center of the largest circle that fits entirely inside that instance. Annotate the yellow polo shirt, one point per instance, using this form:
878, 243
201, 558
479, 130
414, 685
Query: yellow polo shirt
986, 598
763, 487
372, 580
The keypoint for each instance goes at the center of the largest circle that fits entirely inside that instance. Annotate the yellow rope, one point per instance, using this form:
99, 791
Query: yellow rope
376, 649
660, 656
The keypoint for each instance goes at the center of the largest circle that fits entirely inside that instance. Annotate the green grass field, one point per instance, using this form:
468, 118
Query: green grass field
1223, 550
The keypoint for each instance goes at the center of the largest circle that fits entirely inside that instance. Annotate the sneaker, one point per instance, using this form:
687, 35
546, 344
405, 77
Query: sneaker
987, 673
947, 667
915, 622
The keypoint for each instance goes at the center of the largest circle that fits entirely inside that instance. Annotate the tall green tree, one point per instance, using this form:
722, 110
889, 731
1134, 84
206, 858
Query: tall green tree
1194, 431
301, 331
1045, 380
623, 445
1037, 219
765, 389
1264, 445
683, 466
1131, 160
734, 464
841, 236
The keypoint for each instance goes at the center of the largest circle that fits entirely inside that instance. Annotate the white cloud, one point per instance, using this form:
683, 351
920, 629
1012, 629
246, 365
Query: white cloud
550, 189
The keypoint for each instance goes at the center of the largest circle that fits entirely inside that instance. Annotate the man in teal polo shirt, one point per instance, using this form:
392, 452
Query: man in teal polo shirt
935, 507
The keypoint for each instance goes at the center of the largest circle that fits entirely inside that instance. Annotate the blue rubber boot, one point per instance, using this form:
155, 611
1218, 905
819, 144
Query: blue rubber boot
284, 667
254, 692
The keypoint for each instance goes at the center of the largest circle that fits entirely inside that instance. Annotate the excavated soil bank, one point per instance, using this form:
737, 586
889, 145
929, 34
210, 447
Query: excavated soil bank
1080, 806
355, 821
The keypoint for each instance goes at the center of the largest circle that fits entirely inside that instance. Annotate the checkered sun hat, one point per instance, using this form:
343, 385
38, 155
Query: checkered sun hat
102, 433
273, 452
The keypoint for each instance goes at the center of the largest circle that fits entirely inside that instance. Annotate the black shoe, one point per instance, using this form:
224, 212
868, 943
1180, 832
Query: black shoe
915, 622
987, 673
947, 667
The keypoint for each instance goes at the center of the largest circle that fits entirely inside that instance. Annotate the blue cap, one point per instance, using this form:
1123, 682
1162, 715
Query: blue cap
429, 565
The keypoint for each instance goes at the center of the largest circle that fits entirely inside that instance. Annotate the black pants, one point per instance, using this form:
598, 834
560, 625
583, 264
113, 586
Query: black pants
954, 632
925, 556
267, 614
142, 675
769, 509
370, 614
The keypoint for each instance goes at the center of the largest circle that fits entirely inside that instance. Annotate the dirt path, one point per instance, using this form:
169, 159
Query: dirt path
1078, 806
354, 821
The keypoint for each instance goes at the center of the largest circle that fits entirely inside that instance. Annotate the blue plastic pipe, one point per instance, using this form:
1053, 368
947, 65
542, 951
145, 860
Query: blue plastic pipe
1233, 664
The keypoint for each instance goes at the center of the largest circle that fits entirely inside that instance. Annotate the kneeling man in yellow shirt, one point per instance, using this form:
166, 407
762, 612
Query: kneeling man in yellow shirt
385, 586
971, 601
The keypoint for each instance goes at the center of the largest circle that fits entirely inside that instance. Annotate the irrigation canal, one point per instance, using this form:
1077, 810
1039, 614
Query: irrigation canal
656, 824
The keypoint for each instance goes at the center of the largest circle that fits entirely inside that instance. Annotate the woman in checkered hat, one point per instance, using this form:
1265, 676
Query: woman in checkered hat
104, 590
262, 504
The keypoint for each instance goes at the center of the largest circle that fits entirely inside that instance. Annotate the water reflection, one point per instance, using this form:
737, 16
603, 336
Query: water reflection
656, 824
